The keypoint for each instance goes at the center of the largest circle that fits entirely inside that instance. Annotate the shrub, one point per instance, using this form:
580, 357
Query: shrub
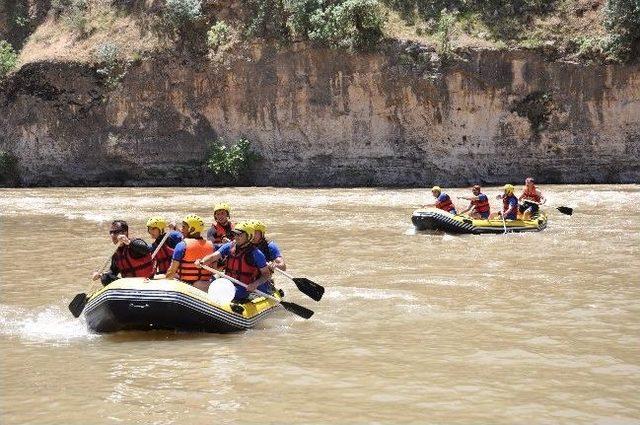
218, 35
110, 68
344, 23
180, 12
622, 20
73, 13
269, 19
230, 161
8, 58
445, 27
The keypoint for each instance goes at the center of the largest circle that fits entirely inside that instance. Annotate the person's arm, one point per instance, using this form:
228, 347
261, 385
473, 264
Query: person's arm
223, 251
265, 272
542, 198
278, 261
173, 268
178, 254
512, 206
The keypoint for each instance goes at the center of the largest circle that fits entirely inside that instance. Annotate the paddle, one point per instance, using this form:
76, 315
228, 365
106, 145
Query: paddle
306, 286
78, 302
291, 307
563, 210
504, 224
164, 239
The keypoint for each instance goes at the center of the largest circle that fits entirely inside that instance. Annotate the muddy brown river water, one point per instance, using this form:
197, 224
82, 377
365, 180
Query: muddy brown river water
539, 328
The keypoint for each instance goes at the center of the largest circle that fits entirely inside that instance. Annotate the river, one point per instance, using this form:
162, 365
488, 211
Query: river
539, 328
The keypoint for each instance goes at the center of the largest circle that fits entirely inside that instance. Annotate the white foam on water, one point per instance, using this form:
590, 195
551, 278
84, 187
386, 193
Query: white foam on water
50, 324
345, 293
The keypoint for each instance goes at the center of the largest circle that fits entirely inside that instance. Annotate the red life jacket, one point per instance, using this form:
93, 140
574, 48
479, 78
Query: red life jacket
128, 266
163, 258
481, 206
446, 205
240, 264
505, 206
223, 231
531, 194
195, 248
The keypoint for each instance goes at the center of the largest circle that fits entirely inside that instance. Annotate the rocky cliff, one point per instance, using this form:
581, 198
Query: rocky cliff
320, 117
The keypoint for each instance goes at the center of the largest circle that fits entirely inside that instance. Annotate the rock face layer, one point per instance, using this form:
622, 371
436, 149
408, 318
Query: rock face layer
327, 118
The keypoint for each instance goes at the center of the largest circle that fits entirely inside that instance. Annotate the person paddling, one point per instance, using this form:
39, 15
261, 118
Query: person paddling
245, 262
269, 248
443, 201
156, 228
509, 204
479, 207
131, 259
188, 251
530, 193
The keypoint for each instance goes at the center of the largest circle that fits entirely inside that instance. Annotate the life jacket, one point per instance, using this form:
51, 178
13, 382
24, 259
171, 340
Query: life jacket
531, 194
128, 266
164, 255
481, 206
223, 231
446, 205
505, 206
240, 264
195, 248
264, 247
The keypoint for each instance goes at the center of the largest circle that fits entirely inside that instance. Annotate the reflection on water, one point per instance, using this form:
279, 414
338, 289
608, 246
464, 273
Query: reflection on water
414, 327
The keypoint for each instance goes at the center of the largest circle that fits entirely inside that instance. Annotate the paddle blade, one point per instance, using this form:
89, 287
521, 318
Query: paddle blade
309, 287
297, 309
565, 210
77, 304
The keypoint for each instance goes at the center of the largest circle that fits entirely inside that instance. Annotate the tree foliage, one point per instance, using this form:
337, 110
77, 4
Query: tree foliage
230, 161
622, 20
8, 58
335, 23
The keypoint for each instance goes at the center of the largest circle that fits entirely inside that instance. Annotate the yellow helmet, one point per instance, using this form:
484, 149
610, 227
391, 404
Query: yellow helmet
508, 188
436, 189
194, 222
260, 226
246, 227
158, 222
222, 206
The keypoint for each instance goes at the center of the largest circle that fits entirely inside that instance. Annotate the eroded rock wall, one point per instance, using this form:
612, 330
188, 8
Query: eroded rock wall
328, 118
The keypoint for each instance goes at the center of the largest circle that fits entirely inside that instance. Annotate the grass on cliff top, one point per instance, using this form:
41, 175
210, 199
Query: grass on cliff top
569, 26
573, 25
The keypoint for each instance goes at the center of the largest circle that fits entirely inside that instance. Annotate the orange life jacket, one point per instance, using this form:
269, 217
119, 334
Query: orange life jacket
240, 264
223, 231
128, 266
195, 248
481, 206
446, 205
531, 194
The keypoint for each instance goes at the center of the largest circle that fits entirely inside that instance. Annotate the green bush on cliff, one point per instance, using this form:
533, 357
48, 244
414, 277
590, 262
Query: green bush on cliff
230, 161
180, 12
345, 23
110, 68
8, 58
622, 20
334, 23
218, 35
